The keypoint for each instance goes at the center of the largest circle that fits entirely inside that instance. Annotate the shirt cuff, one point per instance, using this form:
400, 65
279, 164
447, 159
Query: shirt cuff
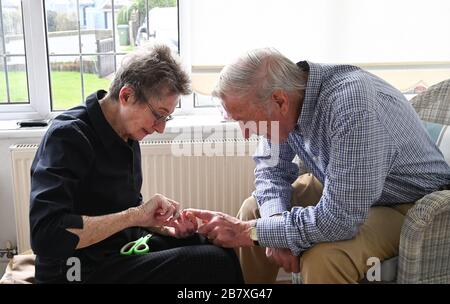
271, 207
271, 232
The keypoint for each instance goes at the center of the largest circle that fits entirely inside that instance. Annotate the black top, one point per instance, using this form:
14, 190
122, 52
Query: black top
82, 167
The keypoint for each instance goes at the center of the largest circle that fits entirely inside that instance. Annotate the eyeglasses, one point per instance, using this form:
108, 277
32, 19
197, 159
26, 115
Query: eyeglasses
158, 117
223, 112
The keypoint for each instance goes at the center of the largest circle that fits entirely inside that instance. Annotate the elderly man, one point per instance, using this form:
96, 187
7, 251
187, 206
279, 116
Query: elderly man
367, 154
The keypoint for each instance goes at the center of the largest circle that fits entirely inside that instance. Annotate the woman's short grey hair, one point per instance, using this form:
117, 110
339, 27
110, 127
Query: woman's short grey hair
151, 72
260, 71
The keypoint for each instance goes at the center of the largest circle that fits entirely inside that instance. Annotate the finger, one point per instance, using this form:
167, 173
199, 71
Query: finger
177, 206
221, 243
288, 263
183, 217
194, 224
170, 222
178, 231
164, 215
204, 215
205, 229
191, 218
168, 211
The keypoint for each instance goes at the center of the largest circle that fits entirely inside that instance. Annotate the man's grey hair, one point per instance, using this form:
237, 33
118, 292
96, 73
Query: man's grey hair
151, 72
259, 72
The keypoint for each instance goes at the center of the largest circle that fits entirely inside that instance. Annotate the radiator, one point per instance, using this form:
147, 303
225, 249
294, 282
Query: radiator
211, 176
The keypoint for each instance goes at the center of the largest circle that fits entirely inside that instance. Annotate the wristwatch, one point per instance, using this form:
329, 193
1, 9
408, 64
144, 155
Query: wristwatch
254, 235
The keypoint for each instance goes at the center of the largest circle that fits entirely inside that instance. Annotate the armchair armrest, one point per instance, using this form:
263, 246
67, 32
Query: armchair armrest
424, 253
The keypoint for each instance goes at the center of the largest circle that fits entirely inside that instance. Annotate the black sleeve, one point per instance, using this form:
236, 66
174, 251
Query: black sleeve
61, 162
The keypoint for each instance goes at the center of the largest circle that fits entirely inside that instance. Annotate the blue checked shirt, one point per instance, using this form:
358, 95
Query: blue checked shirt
363, 140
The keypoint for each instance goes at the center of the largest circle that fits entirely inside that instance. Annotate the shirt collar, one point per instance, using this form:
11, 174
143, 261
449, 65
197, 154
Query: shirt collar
313, 87
107, 134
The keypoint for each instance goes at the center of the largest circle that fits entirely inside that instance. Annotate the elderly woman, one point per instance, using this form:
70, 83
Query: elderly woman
85, 189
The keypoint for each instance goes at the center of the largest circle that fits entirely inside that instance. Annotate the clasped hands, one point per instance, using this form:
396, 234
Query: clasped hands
163, 215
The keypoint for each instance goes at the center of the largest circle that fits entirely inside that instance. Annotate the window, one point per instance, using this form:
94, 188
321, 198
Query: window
405, 42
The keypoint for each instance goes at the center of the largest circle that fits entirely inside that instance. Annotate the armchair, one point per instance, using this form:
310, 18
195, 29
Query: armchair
424, 253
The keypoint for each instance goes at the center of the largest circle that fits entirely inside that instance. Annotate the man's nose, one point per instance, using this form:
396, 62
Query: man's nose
159, 127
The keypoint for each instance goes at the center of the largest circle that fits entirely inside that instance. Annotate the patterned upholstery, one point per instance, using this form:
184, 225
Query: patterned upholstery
424, 254
433, 105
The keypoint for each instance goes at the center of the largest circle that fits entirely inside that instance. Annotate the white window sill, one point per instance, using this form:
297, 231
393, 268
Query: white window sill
195, 126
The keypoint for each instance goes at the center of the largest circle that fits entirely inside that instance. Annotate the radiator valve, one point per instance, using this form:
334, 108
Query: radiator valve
9, 251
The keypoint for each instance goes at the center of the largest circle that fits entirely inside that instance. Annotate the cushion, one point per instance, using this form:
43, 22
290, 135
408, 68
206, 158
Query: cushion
440, 135
433, 105
20, 269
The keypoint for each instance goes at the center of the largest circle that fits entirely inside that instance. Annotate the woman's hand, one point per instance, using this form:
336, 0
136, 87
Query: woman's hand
156, 212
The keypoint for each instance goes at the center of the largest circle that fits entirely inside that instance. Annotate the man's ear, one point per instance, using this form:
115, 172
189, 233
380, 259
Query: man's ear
125, 94
281, 99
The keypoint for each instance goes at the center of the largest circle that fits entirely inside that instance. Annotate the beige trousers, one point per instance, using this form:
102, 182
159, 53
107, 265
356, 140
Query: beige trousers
328, 262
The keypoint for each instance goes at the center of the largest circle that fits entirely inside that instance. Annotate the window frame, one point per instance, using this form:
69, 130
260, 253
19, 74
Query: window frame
36, 62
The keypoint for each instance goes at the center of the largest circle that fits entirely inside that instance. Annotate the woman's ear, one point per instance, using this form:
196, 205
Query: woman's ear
281, 99
125, 95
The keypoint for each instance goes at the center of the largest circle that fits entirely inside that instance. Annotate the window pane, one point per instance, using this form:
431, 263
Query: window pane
97, 73
161, 26
65, 80
17, 77
3, 92
402, 41
13, 28
62, 26
13, 74
96, 27
2, 41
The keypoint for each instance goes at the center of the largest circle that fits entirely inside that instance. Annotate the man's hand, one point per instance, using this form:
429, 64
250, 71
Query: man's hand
181, 227
284, 258
156, 212
223, 229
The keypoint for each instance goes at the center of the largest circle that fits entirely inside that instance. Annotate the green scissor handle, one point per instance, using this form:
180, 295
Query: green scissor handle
136, 247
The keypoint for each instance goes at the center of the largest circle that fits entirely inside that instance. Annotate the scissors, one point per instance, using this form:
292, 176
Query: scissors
136, 247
